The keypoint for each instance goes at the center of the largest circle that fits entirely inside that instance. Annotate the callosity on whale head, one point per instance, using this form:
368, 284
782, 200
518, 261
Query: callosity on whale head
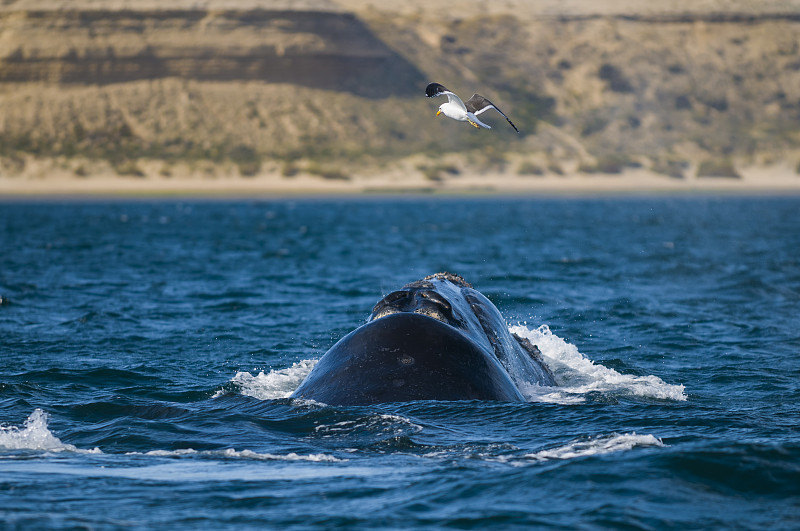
434, 339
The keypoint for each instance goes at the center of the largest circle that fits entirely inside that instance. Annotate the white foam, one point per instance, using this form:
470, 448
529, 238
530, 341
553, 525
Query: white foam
381, 423
578, 375
314, 458
603, 444
167, 453
34, 435
241, 454
279, 383
202, 472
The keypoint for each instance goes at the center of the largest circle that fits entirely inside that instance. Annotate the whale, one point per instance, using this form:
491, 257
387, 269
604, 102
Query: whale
434, 339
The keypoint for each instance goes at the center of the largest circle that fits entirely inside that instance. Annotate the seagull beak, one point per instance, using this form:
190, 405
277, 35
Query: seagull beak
438, 112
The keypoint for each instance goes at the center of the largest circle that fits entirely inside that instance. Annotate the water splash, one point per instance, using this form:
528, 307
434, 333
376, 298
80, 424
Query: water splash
578, 375
279, 383
34, 435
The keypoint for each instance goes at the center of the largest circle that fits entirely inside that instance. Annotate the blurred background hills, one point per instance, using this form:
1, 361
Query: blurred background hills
143, 88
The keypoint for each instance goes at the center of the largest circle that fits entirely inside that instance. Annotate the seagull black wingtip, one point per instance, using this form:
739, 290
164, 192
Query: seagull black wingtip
434, 89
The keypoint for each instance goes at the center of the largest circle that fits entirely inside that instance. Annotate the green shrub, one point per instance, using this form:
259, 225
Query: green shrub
670, 167
530, 168
434, 172
594, 123
611, 164
616, 80
718, 168
334, 174
246, 159
128, 168
327, 173
289, 169
556, 168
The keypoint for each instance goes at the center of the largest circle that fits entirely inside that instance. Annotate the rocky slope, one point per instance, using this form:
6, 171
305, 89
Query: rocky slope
325, 87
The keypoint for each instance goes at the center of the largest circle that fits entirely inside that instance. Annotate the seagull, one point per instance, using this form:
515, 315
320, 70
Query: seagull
461, 111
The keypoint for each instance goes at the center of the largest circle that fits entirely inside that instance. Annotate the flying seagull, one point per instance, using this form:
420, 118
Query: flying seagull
464, 111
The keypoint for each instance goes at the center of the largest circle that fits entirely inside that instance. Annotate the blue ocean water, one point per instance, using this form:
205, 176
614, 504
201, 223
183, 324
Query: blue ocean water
147, 350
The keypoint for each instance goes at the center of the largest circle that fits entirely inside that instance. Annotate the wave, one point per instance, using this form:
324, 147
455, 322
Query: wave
241, 454
603, 444
576, 375
34, 435
382, 425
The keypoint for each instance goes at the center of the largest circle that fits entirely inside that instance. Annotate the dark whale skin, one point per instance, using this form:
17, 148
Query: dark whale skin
405, 357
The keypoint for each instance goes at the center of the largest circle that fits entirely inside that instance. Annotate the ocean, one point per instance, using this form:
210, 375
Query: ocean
148, 349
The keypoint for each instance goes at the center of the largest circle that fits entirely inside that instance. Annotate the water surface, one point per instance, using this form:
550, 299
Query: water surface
147, 350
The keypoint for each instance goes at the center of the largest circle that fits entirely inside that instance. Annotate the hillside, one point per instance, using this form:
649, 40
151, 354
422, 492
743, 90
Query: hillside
326, 88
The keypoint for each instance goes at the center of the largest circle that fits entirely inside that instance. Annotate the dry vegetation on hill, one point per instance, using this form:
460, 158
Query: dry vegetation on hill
326, 88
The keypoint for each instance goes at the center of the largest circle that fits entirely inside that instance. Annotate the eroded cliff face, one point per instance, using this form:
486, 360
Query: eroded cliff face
318, 49
249, 85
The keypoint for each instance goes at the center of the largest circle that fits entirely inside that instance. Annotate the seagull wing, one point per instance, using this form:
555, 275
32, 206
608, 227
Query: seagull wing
435, 89
478, 104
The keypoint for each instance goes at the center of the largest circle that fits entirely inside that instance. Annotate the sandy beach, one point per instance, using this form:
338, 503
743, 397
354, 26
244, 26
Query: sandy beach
402, 179
613, 97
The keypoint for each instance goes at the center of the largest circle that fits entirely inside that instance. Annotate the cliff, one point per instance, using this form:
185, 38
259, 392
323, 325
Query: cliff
324, 50
342, 84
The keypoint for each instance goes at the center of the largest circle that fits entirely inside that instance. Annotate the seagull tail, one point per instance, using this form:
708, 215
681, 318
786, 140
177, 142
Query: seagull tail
473, 118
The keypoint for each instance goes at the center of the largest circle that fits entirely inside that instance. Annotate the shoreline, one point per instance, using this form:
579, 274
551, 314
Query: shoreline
396, 183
